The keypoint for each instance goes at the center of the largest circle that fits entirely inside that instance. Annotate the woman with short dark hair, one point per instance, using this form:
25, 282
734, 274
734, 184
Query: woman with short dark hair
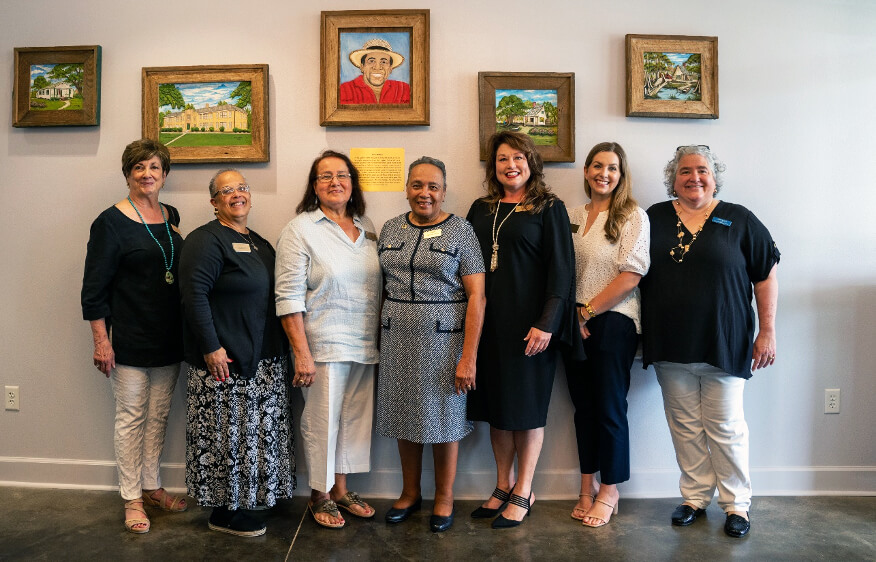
131, 298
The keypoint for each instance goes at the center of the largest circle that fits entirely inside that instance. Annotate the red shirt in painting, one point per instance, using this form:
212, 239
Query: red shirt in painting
357, 92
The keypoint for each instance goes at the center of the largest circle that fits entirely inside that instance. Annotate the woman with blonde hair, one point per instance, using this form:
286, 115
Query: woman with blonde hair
611, 236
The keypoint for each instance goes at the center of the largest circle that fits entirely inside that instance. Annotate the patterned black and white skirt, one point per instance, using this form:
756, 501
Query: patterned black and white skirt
239, 442
420, 347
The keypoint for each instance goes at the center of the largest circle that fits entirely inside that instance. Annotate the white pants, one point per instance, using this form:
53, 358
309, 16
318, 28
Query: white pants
337, 420
142, 403
703, 407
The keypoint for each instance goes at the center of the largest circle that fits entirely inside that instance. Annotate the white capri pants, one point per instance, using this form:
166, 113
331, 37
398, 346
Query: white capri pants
143, 397
336, 423
703, 406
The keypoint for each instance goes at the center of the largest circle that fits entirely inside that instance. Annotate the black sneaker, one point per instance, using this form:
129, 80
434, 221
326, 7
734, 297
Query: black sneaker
235, 522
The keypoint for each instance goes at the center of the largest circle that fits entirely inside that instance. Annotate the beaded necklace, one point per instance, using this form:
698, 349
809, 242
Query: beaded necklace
168, 276
677, 253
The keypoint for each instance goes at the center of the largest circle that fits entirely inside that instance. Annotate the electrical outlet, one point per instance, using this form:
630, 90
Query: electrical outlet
831, 400
11, 398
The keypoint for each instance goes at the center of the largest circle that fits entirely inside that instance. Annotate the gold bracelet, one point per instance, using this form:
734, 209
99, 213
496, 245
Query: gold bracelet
589, 309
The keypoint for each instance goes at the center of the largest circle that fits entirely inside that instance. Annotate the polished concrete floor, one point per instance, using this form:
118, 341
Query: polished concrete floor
41, 524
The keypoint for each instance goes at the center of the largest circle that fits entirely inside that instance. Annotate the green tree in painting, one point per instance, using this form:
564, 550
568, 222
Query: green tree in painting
40, 83
243, 92
655, 64
70, 73
222, 102
189, 106
169, 94
551, 112
693, 64
510, 107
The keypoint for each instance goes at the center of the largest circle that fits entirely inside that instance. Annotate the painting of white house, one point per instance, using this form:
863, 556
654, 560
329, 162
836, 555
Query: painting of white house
532, 112
56, 87
205, 114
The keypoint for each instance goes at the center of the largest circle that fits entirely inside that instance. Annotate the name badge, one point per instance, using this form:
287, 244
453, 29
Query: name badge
725, 222
241, 247
574, 227
370, 236
432, 233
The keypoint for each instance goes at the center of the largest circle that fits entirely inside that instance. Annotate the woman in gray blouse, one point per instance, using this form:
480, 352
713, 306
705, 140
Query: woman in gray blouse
328, 299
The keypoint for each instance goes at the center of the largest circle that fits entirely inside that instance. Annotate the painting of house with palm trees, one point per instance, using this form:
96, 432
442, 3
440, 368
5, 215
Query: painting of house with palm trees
533, 112
205, 114
672, 76
56, 87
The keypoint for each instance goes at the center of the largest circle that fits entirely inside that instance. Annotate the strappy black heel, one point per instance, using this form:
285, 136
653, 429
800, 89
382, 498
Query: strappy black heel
486, 512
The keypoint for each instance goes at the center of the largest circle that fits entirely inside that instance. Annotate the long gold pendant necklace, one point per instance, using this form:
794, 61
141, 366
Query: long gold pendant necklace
677, 253
494, 259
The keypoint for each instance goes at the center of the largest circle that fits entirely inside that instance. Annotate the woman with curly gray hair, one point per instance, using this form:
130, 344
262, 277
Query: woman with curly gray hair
708, 259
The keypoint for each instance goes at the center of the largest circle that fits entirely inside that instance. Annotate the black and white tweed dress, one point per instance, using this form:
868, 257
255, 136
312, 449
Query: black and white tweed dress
422, 328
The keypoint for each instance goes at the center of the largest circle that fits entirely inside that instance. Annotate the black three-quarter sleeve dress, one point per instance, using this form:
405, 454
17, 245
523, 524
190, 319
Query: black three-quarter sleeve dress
531, 287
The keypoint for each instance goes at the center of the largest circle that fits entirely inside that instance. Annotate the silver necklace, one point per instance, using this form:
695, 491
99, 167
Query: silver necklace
494, 259
247, 239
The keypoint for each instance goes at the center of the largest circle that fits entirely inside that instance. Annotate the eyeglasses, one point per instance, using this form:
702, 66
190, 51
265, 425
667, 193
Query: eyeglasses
226, 191
327, 177
677, 148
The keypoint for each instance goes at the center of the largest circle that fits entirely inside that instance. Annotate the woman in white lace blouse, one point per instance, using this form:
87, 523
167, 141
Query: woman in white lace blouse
611, 236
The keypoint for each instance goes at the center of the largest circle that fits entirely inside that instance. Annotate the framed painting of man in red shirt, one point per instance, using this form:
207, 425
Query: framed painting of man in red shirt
375, 68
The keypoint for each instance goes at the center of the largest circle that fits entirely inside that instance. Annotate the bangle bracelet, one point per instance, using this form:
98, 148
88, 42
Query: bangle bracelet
589, 309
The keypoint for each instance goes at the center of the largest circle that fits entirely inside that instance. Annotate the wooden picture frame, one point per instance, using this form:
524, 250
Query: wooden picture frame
221, 117
56, 86
350, 89
550, 97
681, 78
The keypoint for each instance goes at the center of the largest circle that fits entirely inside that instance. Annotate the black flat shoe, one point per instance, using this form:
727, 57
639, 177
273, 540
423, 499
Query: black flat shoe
501, 522
235, 522
399, 514
684, 515
440, 523
737, 526
486, 512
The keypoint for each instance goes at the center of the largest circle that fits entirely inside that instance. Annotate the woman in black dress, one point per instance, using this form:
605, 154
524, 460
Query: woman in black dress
238, 437
526, 242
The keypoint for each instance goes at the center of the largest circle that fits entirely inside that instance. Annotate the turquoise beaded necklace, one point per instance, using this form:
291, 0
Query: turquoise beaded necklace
168, 276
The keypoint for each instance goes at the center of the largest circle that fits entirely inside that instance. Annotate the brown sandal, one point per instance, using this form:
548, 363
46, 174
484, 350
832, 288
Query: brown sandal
326, 506
137, 505
348, 500
166, 502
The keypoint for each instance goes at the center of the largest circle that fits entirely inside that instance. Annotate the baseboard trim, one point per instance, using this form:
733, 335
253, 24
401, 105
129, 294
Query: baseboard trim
78, 474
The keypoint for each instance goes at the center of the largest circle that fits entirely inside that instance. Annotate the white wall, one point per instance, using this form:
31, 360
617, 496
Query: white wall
797, 79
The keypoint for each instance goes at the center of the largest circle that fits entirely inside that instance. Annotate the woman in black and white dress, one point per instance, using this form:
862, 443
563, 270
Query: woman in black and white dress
430, 327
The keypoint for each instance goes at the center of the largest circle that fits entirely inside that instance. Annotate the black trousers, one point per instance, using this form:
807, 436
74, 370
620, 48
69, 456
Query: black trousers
598, 387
